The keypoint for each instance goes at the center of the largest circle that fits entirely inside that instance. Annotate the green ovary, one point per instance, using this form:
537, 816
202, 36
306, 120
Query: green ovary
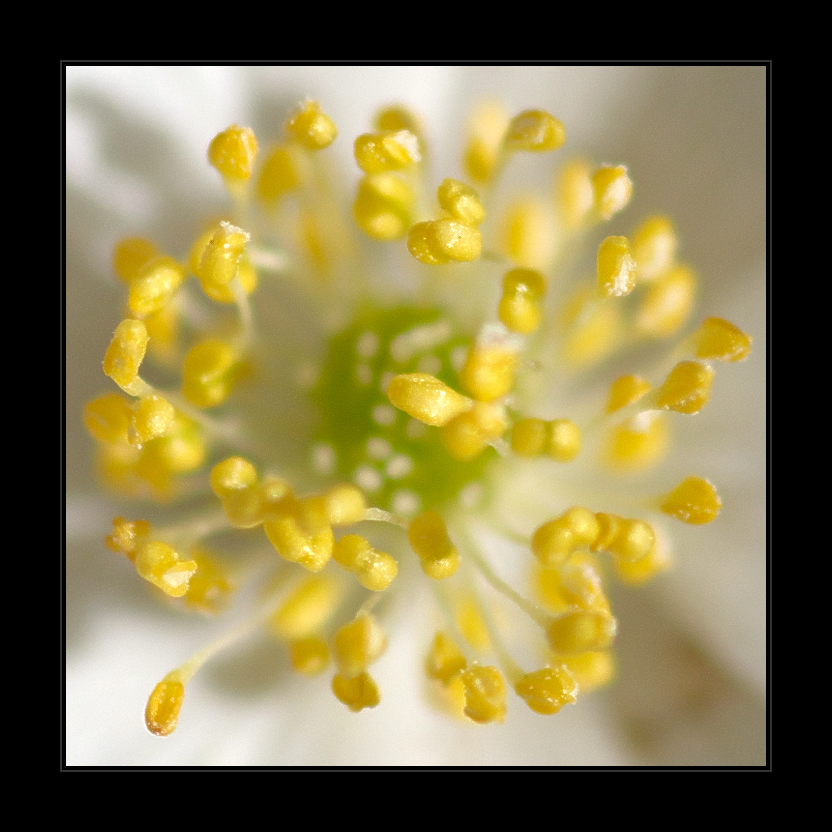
391, 456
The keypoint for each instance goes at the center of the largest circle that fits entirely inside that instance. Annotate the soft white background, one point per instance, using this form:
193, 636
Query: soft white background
691, 688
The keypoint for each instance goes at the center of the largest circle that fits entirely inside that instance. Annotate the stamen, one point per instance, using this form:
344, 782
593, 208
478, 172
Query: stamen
473, 362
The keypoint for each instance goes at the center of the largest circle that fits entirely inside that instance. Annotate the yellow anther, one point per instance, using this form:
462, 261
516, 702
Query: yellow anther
490, 368
667, 303
626, 390
608, 528
375, 570
485, 694
233, 153
307, 609
181, 450
547, 691
528, 232
215, 257
428, 537
575, 194
210, 588
311, 127
231, 475
461, 201
468, 434
559, 438
720, 340
345, 504
221, 256
279, 175
383, 207
638, 442
612, 190
154, 285
126, 535
486, 130
107, 418
426, 398
629, 540
536, 131
381, 152
654, 247
220, 292
300, 532
616, 268
594, 329
271, 492
639, 571
398, 118
555, 541
564, 440
358, 644
471, 624
693, 501
125, 354
163, 707
442, 241
130, 254
590, 670
581, 585
309, 655
209, 372
520, 306
153, 417
356, 693
579, 632
160, 564
163, 333
444, 659
686, 388
529, 437
234, 481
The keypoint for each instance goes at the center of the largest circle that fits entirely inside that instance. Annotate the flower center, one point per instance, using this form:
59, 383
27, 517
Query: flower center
398, 460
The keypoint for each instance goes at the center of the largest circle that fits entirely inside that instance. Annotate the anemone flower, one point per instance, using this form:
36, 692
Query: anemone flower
690, 652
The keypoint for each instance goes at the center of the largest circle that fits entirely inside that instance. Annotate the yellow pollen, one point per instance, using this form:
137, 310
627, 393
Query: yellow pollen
233, 152
547, 691
579, 632
687, 388
485, 694
720, 340
654, 247
520, 306
429, 539
311, 127
439, 242
163, 707
535, 131
616, 268
125, 354
358, 644
612, 189
426, 398
309, 655
130, 254
693, 501
304, 415
357, 692
444, 659
154, 285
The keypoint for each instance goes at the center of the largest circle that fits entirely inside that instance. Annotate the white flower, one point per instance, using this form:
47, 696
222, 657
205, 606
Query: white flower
691, 645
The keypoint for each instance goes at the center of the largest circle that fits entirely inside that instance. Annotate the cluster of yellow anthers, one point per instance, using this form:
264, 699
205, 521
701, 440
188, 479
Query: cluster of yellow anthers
419, 409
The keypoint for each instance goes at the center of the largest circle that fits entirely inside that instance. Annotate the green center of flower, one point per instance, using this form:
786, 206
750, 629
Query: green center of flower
396, 459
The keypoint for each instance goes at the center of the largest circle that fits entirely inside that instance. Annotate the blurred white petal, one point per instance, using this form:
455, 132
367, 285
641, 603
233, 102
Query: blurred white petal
694, 141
